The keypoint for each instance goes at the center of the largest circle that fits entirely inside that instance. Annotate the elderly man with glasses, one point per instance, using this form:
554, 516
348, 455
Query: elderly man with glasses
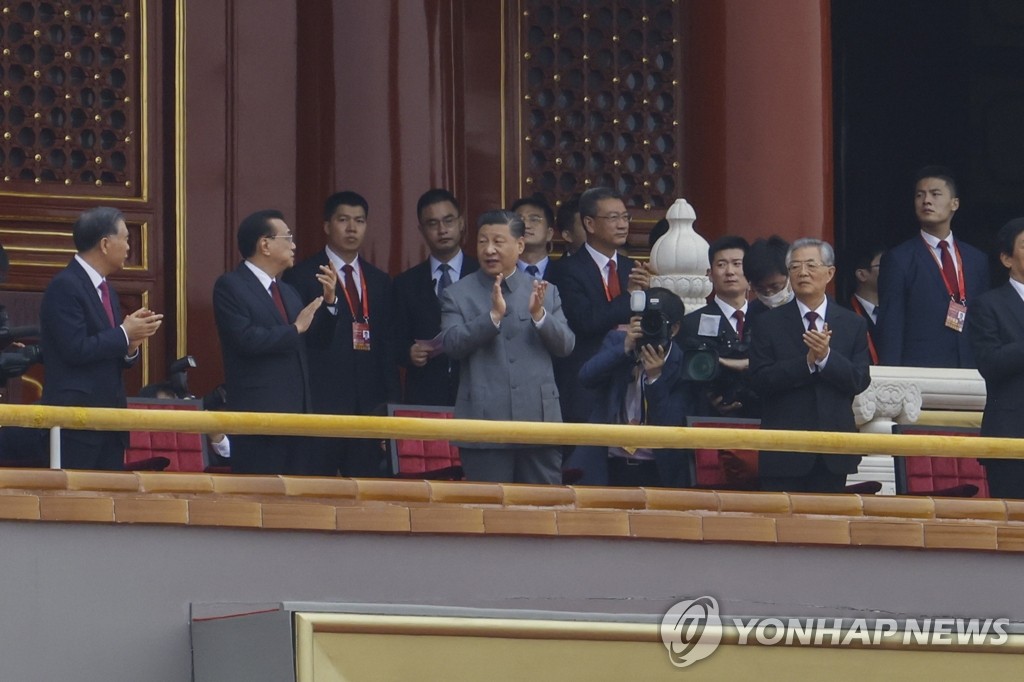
808, 359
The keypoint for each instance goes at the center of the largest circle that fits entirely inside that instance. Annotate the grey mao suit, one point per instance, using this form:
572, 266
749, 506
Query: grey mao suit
505, 372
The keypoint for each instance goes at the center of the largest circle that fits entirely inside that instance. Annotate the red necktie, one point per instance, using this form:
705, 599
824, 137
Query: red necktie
812, 318
275, 293
105, 297
350, 288
738, 316
613, 288
948, 270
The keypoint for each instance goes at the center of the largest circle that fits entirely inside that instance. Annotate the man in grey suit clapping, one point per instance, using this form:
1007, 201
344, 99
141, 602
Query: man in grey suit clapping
505, 327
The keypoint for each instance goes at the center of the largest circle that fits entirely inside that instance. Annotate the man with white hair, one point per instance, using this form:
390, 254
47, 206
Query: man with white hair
808, 359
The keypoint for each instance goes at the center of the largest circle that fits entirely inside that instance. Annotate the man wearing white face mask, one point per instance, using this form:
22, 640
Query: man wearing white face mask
764, 266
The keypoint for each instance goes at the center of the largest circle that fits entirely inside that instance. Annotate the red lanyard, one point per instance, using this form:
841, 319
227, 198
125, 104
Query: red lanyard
959, 271
859, 309
365, 297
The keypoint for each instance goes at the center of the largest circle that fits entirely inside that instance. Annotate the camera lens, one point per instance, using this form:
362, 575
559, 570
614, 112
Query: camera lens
702, 365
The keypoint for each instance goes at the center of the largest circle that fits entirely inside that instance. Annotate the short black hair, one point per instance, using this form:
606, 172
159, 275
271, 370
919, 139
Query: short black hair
725, 243
659, 230
1007, 235
940, 172
865, 256
93, 225
156, 388
345, 198
515, 224
671, 304
435, 196
764, 258
253, 228
567, 214
589, 199
540, 202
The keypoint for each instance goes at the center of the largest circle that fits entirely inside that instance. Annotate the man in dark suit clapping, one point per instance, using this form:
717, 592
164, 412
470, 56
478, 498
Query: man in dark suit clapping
261, 323
85, 348
354, 368
808, 359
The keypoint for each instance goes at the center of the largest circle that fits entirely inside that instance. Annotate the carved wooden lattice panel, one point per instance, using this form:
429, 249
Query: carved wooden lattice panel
600, 105
71, 97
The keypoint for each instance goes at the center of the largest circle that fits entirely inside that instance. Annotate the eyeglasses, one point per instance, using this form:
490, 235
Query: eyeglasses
533, 219
616, 217
289, 237
448, 221
811, 265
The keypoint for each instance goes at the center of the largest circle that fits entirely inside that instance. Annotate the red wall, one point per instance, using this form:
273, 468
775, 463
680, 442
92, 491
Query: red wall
759, 140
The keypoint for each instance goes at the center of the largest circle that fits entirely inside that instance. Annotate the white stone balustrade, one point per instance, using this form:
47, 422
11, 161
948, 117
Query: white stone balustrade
897, 395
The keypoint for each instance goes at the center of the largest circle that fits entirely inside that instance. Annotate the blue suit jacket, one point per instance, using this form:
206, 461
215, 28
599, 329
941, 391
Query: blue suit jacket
608, 375
913, 300
83, 354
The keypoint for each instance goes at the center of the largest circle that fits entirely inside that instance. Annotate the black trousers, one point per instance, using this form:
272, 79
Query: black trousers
101, 450
1005, 478
819, 480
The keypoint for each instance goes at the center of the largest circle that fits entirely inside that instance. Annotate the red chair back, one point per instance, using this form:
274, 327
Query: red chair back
412, 458
185, 451
938, 475
725, 469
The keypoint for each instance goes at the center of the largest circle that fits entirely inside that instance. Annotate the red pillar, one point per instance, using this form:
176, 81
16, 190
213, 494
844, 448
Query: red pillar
758, 84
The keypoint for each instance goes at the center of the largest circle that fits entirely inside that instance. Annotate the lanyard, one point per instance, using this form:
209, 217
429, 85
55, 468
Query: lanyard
859, 309
959, 271
366, 299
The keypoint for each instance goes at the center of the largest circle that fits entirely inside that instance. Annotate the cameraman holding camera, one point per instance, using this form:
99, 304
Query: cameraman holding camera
635, 377
717, 338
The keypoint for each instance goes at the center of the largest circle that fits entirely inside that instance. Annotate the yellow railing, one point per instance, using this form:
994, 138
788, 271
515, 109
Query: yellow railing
101, 419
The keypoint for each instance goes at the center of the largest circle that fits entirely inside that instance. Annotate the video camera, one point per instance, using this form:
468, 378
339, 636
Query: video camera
654, 323
15, 362
701, 365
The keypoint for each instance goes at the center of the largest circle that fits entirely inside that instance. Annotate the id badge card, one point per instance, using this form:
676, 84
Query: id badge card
360, 336
956, 314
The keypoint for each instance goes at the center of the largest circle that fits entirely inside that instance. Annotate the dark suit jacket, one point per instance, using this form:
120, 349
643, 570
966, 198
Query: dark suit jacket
794, 397
688, 333
83, 354
995, 329
418, 316
912, 328
345, 380
591, 315
858, 308
669, 400
265, 366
